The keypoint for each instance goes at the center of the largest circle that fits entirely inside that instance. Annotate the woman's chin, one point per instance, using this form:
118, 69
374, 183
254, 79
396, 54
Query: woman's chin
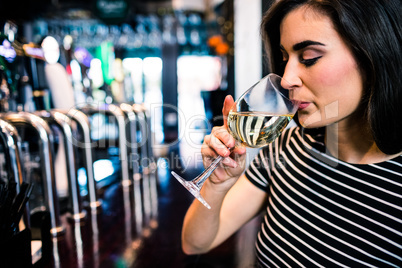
314, 120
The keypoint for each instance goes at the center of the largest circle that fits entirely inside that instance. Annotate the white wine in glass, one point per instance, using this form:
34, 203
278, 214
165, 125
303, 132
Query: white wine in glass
255, 120
256, 130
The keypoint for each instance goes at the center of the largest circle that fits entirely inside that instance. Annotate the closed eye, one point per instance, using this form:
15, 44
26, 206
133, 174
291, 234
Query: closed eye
310, 62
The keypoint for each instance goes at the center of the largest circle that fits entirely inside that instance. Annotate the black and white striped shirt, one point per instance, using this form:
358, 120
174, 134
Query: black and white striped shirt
323, 212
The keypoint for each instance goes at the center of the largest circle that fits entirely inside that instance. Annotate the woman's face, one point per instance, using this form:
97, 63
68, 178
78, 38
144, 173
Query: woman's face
320, 69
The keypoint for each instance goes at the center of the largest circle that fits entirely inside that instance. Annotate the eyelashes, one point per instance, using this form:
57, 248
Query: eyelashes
305, 62
310, 62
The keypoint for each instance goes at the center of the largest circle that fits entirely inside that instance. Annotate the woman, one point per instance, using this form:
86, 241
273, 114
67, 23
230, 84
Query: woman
331, 189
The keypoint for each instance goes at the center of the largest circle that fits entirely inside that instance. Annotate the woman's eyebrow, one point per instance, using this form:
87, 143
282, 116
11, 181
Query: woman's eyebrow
306, 43
303, 44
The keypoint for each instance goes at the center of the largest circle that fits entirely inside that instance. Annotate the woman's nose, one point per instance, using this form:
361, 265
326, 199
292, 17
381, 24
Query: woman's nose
291, 78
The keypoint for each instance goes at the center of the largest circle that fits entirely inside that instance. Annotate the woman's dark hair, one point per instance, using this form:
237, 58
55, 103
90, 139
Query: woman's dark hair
372, 29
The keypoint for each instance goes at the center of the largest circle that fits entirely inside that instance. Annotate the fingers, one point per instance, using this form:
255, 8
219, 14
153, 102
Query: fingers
222, 141
230, 162
227, 105
213, 146
239, 149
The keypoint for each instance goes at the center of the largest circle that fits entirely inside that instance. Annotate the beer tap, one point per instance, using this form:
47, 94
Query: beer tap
63, 123
152, 167
134, 163
118, 115
28, 120
12, 144
83, 122
148, 166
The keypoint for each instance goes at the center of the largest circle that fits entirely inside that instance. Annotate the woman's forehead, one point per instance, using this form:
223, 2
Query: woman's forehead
305, 23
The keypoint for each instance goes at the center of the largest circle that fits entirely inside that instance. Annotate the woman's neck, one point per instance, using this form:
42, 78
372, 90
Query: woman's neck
353, 143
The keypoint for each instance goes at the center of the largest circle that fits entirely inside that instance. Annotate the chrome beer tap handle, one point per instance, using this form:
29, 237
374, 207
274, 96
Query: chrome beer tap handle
83, 122
47, 165
12, 141
63, 123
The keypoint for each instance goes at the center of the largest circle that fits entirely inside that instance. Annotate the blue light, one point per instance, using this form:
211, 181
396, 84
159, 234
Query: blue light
102, 169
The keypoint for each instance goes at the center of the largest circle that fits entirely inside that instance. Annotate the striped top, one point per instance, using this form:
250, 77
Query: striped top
322, 212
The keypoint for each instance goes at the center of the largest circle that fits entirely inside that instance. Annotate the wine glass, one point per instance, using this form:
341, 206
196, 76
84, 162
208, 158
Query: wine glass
255, 120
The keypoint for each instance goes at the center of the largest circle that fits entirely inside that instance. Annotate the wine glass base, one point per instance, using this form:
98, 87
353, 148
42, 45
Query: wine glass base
192, 188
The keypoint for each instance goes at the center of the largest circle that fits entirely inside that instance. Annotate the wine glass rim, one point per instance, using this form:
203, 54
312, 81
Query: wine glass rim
269, 76
279, 90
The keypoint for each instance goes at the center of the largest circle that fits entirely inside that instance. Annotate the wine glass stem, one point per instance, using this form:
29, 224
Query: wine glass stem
200, 179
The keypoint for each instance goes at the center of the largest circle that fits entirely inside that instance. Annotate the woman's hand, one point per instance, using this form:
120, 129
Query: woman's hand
233, 198
220, 142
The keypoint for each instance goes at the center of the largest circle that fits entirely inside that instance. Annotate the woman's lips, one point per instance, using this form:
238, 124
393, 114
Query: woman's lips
303, 105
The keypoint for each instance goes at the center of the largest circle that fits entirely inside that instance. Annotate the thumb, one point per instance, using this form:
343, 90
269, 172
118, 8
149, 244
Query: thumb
227, 106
